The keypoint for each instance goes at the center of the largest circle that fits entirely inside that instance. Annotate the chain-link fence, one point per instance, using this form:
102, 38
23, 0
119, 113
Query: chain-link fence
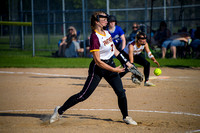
53, 17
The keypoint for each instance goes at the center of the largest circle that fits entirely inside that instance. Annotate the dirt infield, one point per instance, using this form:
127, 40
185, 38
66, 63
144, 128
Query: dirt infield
28, 97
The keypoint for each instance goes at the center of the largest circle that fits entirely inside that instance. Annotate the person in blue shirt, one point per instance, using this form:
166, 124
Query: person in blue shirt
117, 33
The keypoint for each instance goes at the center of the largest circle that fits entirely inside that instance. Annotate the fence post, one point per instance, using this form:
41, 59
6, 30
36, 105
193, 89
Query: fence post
108, 8
48, 10
63, 9
33, 32
22, 27
83, 11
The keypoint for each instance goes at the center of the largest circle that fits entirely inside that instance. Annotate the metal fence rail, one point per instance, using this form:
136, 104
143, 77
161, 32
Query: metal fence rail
51, 18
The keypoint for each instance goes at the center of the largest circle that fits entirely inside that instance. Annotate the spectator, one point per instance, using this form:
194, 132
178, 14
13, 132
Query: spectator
195, 44
184, 29
150, 39
74, 50
179, 39
69, 45
135, 28
87, 46
117, 33
161, 34
192, 32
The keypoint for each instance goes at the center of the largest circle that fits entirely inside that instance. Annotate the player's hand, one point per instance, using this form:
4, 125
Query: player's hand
119, 69
129, 65
155, 61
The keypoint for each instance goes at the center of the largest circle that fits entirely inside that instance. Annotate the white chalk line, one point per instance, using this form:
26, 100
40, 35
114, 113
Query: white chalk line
42, 74
46, 74
193, 131
142, 111
78, 76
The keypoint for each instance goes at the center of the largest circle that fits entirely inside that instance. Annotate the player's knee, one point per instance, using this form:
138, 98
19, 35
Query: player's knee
82, 98
122, 94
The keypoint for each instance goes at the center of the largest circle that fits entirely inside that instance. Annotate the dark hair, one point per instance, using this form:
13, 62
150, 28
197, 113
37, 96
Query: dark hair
197, 33
112, 18
163, 23
95, 17
138, 35
184, 29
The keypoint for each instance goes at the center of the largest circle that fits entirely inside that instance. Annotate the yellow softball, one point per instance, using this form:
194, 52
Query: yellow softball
157, 71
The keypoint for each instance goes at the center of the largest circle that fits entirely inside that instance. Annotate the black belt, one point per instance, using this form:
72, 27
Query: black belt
107, 61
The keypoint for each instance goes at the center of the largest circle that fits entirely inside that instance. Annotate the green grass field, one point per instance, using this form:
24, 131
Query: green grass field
12, 57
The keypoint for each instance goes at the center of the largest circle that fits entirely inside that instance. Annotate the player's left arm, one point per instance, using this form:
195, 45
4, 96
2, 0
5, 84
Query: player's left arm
150, 55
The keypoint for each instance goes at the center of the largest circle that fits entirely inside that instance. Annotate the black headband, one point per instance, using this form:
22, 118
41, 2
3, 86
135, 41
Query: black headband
142, 37
102, 16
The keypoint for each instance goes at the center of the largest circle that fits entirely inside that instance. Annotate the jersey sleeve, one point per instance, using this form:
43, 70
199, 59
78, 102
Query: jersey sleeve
94, 43
132, 43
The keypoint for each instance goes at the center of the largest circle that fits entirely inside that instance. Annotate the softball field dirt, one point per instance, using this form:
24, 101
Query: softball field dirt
29, 95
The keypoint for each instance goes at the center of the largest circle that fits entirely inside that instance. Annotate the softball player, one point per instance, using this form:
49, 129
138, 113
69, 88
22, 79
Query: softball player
102, 65
133, 52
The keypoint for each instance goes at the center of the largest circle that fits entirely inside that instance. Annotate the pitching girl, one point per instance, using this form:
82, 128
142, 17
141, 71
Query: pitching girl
102, 65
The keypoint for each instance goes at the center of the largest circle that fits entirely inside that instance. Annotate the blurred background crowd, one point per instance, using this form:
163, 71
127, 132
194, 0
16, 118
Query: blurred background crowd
63, 26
